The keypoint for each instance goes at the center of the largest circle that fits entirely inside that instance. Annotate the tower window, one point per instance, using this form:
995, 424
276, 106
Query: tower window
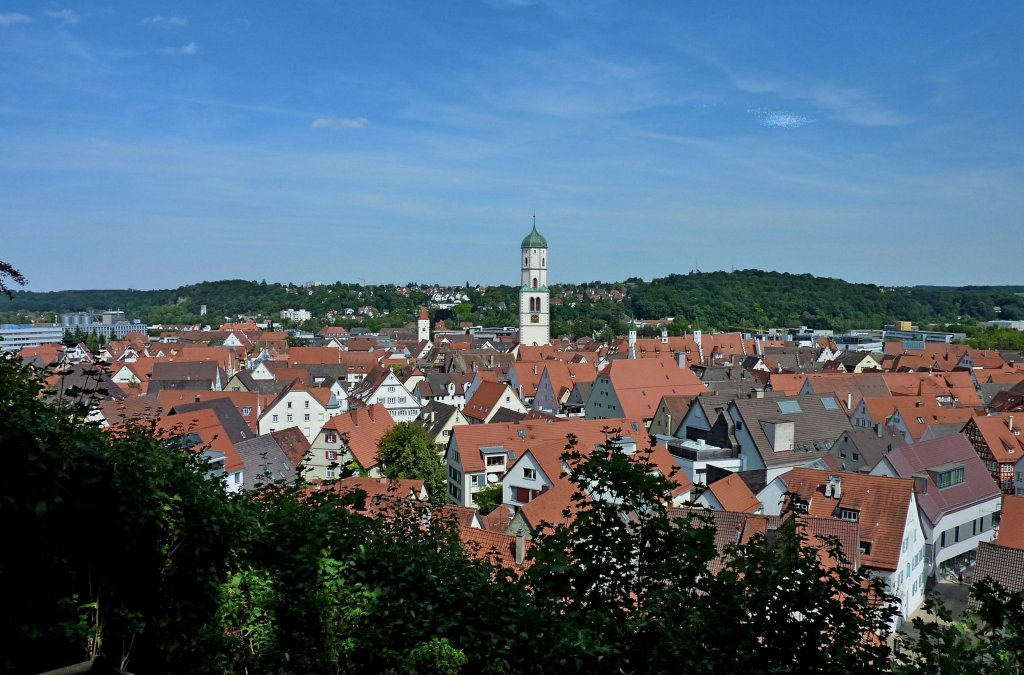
543, 262
535, 282
526, 262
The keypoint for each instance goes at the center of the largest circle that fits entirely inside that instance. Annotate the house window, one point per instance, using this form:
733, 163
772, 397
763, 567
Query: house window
523, 494
331, 455
920, 420
330, 473
954, 476
530, 474
289, 405
306, 404
391, 389
496, 460
474, 479
288, 418
331, 438
306, 418
852, 515
246, 410
273, 418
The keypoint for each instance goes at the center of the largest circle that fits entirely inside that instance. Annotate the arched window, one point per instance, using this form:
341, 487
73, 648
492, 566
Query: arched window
535, 282
543, 262
526, 262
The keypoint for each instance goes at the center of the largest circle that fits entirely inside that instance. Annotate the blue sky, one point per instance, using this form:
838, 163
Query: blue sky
150, 145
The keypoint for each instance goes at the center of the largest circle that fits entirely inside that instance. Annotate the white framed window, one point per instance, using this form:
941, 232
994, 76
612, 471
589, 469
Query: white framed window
331, 438
273, 418
331, 455
530, 474
288, 417
246, 410
306, 404
289, 405
305, 418
330, 473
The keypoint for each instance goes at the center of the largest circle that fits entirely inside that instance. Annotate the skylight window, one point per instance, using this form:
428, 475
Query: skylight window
830, 403
789, 407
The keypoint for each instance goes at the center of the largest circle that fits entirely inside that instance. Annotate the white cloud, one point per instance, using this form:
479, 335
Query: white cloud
191, 49
165, 21
779, 120
68, 16
12, 18
339, 123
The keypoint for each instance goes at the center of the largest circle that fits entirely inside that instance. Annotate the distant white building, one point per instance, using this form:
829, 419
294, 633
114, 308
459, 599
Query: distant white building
296, 315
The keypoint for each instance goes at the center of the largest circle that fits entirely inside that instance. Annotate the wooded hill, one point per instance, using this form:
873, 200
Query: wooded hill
746, 299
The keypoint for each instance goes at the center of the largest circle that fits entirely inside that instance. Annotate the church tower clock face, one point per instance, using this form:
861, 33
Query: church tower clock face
534, 305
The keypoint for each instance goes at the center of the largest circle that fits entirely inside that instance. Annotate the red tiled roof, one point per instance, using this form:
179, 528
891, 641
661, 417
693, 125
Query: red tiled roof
1011, 526
364, 427
881, 502
734, 495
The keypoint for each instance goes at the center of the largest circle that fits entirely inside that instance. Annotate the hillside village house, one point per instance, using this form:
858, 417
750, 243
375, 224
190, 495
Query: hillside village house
479, 454
349, 439
634, 387
892, 540
382, 386
997, 440
959, 502
301, 407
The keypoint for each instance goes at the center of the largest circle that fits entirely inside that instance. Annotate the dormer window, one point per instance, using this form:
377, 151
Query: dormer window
949, 477
853, 515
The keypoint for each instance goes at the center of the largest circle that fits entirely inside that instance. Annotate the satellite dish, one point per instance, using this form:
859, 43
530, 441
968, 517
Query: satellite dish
492, 478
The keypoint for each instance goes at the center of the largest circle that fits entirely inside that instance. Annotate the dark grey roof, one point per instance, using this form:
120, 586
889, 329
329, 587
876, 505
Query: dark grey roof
187, 370
871, 446
264, 462
999, 563
234, 424
813, 427
442, 412
505, 415
579, 394
85, 383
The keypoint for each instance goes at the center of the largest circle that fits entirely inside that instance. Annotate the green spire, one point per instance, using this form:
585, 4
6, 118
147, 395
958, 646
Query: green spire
534, 239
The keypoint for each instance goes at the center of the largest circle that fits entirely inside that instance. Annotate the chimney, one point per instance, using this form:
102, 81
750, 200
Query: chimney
920, 484
681, 359
834, 487
520, 547
849, 401
1010, 422
878, 429
198, 400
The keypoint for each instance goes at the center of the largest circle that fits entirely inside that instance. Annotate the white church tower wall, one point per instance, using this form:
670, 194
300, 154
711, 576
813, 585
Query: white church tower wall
534, 296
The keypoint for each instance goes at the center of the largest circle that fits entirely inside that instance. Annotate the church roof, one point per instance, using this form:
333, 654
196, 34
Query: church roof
534, 239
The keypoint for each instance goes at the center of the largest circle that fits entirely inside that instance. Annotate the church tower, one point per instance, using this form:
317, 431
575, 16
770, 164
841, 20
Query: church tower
423, 325
534, 300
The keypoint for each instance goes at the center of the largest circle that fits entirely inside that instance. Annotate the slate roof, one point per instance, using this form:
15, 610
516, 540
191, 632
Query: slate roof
1002, 564
813, 427
234, 424
922, 458
442, 412
264, 461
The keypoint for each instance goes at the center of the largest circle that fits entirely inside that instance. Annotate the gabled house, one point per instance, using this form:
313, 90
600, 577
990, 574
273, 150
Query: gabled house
557, 382
780, 433
634, 387
301, 407
382, 386
439, 419
349, 439
730, 494
272, 458
488, 399
958, 500
997, 440
479, 454
893, 544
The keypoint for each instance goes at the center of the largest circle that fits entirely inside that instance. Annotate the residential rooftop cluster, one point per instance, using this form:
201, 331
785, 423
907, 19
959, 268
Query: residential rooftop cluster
911, 454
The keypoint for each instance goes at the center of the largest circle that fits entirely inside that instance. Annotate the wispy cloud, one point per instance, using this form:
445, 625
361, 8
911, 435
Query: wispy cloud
776, 119
68, 16
339, 123
12, 18
191, 49
850, 104
165, 21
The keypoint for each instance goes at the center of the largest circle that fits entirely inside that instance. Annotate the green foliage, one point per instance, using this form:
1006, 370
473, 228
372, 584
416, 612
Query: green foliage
406, 451
633, 583
989, 639
489, 498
